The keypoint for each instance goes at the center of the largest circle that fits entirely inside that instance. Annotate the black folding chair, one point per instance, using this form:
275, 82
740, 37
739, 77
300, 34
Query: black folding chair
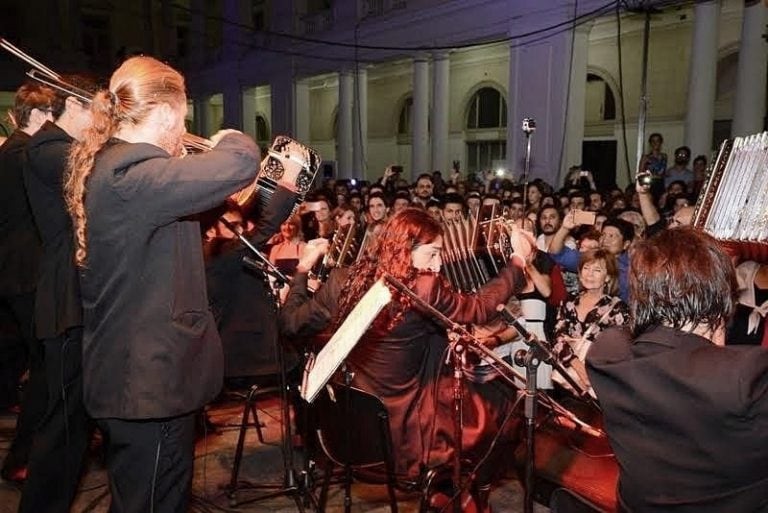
353, 432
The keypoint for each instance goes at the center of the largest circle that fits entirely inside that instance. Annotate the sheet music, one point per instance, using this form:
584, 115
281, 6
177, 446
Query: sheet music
329, 359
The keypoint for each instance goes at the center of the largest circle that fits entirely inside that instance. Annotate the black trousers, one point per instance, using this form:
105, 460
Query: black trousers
16, 344
61, 437
149, 463
33, 401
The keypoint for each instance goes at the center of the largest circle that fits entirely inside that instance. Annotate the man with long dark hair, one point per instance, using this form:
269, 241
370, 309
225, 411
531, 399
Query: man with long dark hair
685, 415
19, 257
61, 437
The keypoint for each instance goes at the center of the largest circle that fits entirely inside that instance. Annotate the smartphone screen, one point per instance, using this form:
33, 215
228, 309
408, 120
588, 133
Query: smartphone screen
584, 217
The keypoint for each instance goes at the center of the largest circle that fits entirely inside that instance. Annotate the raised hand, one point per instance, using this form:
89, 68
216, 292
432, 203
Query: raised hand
311, 254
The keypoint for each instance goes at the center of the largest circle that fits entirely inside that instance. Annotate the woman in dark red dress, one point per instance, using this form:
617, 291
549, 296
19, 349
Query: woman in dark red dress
400, 357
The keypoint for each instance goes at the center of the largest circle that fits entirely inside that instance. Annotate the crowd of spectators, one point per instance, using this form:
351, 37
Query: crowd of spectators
580, 229
568, 220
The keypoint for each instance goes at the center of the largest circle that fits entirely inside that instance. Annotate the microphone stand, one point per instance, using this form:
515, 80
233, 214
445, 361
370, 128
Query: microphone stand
529, 126
263, 263
531, 360
460, 339
545, 355
537, 353
291, 486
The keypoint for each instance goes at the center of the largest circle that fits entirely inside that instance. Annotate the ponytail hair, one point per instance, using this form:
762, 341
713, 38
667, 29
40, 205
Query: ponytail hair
138, 86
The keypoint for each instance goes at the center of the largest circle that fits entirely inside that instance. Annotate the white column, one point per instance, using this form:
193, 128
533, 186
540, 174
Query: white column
420, 122
576, 105
749, 102
281, 101
538, 89
344, 125
360, 124
301, 111
440, 112
702, 78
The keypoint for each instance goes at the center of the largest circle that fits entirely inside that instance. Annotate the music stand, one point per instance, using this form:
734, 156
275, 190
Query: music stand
320, 369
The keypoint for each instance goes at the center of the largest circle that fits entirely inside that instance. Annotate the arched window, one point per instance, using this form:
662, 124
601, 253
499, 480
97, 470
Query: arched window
487, 109
406, 116
262, 129
486, 131
601, 104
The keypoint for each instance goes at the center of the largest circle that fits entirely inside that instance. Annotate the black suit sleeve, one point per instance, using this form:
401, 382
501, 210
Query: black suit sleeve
277, 210
303, 316
171, 188
53, 152
752, 376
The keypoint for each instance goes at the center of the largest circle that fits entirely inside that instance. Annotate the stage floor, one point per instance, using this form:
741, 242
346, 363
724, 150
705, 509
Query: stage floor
262, 463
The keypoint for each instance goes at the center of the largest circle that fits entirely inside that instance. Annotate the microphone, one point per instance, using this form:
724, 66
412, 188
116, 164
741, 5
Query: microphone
506, 314
512, 321
254, 264
545, 352
226, 222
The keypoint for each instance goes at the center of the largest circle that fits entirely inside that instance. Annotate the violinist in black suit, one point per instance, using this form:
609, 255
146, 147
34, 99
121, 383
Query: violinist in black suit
19, 257
61, 437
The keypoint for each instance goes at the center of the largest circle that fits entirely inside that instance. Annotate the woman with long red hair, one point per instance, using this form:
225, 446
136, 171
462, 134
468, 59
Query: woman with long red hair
399, 358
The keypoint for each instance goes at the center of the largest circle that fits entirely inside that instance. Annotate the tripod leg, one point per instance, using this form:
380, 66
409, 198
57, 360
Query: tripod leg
256, 421
297, 492
240, 443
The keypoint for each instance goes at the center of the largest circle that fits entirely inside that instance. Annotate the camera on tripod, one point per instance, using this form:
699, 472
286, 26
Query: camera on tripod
529, 125
644, 179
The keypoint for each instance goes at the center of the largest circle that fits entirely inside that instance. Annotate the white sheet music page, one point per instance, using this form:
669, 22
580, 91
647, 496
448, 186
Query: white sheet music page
330, 358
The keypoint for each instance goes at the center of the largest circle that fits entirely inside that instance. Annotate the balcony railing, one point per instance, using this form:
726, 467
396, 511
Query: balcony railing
315, 22
370, 8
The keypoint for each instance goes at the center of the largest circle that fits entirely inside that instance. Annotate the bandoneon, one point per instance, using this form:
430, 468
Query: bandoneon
733, 203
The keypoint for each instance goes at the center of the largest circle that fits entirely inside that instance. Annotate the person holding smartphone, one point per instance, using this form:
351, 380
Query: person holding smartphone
616, 237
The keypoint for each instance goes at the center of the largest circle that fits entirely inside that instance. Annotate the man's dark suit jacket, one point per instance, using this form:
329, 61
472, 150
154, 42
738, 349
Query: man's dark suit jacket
19, 242
687, 420
150, 345
57, 300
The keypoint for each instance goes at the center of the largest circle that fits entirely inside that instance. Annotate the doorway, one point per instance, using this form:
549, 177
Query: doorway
600, 158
